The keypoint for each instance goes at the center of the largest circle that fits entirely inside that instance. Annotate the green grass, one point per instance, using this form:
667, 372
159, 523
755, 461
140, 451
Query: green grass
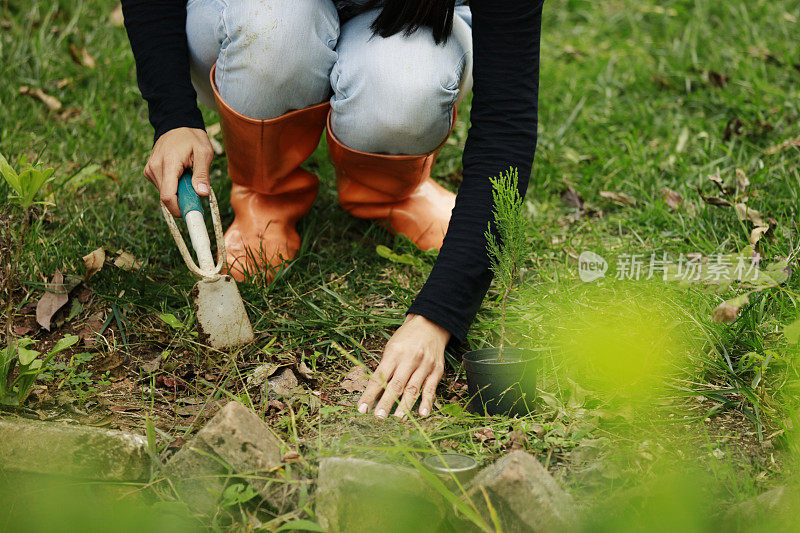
635, 97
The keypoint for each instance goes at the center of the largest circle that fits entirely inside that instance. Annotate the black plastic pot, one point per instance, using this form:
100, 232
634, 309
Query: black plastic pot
505, 387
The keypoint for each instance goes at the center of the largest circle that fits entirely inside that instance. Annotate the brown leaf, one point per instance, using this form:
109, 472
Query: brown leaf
291, 456
671, 198
717, 201
151, 366
69, 114
744, 212
52, 103
109, 362
81, 57
728, 310
208, 409
717, 79
757, 233
94, 262
116, 17
741, 180
516, 440
619, 198
177, 443
356, 380
572, 198
484, 434
22, 329
785, 145
88, 333
276, 404
717, 180
304, 371
126, 261
52, 300
63, 82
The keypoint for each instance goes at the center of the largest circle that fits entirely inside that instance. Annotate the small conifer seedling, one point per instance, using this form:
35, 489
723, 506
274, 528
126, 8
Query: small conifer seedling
506, 245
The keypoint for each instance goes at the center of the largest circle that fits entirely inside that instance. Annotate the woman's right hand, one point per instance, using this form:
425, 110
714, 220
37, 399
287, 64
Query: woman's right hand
174, 152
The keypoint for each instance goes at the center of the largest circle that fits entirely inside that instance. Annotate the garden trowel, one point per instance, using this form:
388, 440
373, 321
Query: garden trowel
222, 321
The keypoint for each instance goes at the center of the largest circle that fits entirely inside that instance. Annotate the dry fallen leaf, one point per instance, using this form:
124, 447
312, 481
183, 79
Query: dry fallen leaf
356, 380
126, 261
52, 300
728, 310
619, 198
516, 440
757, 233
304, 371
717, 79
741, 180
52, 103
69, 114
94, 262
21, 330
484, 434
151, 366
719, 202
116, 17
63, 82
572, 198
671, 198
260, 374
291, 456
785, 145
82, 57
744, 212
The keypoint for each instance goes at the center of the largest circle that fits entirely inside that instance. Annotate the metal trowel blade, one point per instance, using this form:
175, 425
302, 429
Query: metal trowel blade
221, 317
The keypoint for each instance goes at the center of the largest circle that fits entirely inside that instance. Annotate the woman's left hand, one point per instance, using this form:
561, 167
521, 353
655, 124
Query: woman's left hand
412, 362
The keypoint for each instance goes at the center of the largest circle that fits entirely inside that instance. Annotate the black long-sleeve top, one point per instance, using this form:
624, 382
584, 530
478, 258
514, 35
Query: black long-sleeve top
505, 37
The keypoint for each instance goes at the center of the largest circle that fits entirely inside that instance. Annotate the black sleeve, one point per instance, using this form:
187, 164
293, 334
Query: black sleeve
157, 32
505, 37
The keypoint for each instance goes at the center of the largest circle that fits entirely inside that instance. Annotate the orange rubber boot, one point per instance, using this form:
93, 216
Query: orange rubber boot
270, 191
395, 189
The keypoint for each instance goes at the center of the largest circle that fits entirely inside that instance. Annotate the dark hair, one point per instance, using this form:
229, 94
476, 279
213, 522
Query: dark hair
408, 16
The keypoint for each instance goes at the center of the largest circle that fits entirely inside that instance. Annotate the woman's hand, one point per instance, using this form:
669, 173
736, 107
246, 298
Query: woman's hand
413, 362
174, 152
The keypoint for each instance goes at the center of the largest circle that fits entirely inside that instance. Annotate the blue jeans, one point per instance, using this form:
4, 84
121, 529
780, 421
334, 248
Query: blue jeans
392, 95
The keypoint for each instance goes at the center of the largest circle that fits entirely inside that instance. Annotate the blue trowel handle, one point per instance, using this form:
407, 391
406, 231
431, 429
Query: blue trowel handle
188, 200
192, 212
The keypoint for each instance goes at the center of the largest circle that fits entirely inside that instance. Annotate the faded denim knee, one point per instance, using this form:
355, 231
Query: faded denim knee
271, 57
394, 95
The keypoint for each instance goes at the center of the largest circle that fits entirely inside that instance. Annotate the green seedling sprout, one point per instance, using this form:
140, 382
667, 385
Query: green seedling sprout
506, 247
27, 184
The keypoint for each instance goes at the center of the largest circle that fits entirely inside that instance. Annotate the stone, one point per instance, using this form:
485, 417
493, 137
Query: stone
73, 451
357, 495
236, 443
777, 506
524, 495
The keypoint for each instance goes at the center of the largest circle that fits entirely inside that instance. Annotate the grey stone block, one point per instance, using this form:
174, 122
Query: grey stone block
73, 451
235, 443
357, 495
525, 495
